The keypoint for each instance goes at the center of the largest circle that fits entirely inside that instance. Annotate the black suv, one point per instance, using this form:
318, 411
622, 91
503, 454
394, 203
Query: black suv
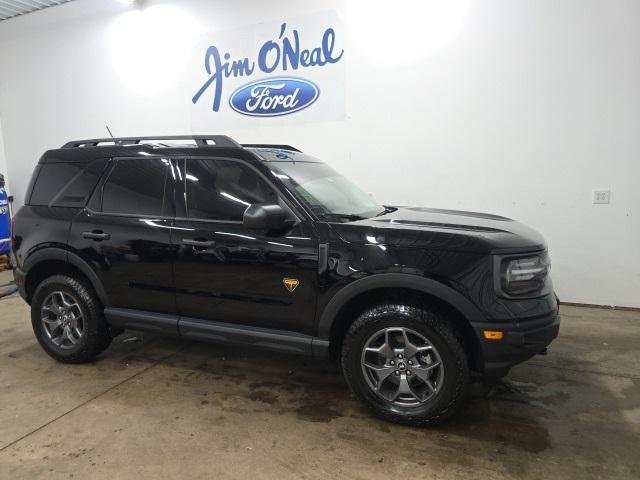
203, 238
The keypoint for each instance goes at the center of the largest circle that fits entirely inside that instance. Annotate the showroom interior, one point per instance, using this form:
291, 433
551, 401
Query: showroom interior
518, 109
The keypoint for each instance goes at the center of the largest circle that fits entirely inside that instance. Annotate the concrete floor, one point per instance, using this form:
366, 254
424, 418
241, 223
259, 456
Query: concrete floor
155, 408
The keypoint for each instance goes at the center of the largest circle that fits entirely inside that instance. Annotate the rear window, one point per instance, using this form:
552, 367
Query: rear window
66, 184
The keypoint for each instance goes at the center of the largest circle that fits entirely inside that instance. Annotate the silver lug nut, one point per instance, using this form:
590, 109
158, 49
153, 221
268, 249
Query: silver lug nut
410, 362
392, 362
408, 372
399, 355
397, 372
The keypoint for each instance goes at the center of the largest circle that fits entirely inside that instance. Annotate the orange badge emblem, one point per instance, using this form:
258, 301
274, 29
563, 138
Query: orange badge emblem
290, 283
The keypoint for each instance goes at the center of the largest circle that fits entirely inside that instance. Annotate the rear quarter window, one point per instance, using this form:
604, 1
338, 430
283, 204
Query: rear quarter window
66, 184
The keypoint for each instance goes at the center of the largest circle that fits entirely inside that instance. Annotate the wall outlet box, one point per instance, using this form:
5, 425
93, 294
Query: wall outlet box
601, 196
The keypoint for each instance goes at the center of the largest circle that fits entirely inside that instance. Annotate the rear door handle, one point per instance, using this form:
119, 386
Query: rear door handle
96, 235
199, 243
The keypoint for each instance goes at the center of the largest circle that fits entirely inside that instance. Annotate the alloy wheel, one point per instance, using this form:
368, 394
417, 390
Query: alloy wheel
62, 319
402, 367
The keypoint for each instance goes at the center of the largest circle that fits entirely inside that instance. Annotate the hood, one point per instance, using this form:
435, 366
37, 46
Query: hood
416, 227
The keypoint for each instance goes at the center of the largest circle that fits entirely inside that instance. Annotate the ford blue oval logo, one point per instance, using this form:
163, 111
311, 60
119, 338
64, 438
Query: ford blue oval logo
271, 97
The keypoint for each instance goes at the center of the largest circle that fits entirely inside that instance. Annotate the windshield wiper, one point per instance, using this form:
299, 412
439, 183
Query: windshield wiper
385, 211
341, 216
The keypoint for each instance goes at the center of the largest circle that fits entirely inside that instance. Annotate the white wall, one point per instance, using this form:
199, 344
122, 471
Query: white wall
526, 110
3, 160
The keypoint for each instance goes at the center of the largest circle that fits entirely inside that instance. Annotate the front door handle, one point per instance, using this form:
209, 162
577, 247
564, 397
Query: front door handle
199, 243
97, 235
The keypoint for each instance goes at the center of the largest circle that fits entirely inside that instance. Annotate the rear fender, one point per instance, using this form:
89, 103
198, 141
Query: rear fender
74, 260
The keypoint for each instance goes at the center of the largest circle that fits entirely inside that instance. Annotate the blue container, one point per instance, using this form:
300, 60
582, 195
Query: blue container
5, 222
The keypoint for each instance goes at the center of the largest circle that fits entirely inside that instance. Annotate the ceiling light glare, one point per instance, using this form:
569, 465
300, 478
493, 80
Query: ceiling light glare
401, 32
150, 47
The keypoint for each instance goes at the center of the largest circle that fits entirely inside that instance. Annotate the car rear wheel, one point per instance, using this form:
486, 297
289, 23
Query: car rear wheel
407, 363
67, 320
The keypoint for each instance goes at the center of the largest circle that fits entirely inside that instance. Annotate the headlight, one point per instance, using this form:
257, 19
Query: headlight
525, 275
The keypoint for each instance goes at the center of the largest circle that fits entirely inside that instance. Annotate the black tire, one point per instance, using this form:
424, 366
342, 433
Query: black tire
96, 336
430, 323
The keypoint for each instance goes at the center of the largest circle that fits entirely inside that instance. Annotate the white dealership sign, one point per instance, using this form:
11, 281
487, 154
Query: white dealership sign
290, 71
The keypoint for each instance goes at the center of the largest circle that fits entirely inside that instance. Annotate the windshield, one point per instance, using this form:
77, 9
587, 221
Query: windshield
329, 194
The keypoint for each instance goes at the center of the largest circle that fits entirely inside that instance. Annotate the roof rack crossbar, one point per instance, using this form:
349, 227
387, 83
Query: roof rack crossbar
200, 140
270, 145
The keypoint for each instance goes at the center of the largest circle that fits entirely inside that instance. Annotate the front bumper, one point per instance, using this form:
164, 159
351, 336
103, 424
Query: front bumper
522, 339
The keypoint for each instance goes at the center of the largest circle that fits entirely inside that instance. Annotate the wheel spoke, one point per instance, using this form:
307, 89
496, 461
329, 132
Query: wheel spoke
424, 348
59, 300
385, 350
74, 321
52, 326
423, 371
382, 350
382, 372
66, 303
404, 388
409, 348
69, 335
53, 301
51, 323
50, 308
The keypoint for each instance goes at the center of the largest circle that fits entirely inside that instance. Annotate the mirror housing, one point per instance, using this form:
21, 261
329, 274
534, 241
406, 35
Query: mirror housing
265, 218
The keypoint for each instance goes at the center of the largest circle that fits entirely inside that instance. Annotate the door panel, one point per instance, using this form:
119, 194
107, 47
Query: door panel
226, 273
125, 234
240, 277
134, 263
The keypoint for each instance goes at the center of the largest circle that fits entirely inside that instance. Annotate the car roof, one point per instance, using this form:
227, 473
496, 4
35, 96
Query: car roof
174, 146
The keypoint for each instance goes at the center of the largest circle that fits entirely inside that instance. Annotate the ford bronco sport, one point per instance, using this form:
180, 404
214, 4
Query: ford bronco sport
203, 238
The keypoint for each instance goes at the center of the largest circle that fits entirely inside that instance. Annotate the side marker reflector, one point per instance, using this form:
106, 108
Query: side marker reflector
493, 334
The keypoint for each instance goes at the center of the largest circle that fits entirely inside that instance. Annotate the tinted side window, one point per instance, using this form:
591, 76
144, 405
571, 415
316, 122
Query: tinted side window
32, 182
66, 184
136, 187
223, 189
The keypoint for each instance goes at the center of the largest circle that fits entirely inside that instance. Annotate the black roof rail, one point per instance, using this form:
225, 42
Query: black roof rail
200, 140
271, 145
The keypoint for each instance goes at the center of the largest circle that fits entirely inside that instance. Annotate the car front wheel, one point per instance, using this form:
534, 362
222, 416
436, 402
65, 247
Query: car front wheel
407, 363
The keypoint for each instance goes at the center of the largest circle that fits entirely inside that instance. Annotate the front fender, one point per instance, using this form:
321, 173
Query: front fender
394, 280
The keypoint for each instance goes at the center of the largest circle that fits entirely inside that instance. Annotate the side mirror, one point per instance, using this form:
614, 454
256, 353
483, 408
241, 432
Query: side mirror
265, 218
